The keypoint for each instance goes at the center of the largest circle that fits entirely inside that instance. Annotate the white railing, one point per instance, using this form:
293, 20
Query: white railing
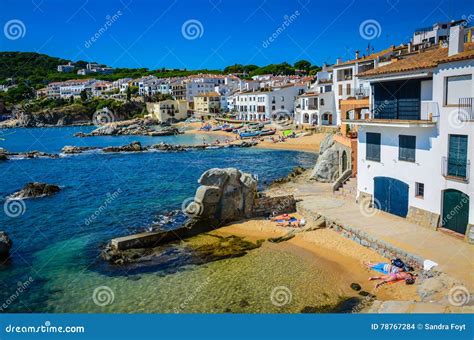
455, 170
466, 109
429, 110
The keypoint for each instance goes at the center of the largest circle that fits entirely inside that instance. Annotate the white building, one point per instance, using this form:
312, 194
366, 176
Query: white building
266, 105
65, 68
74, 87
416, 148
433, 35
347, 84
200, 84
318, 106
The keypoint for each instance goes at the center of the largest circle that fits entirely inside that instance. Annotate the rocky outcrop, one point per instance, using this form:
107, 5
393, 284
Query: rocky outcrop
142, 127
35, 190
70, 150
3, 155
327, 165
5, 245
132, 147
224, 195
29, 155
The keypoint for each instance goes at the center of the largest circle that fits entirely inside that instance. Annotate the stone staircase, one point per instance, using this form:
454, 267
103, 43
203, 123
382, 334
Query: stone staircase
348, 190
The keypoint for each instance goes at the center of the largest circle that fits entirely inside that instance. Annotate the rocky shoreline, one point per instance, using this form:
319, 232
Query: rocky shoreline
133, 147
135, 127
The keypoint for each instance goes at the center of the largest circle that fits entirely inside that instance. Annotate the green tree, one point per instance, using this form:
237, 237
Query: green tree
84, 95
302, 65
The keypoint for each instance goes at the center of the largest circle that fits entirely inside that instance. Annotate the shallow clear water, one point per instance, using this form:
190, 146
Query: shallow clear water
57, 239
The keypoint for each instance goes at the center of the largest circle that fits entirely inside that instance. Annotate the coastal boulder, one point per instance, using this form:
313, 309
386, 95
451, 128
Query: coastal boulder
5, 245
34, 190
224, 195
327, 165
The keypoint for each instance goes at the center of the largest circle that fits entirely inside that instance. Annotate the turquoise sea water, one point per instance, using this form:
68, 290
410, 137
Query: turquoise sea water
57, 239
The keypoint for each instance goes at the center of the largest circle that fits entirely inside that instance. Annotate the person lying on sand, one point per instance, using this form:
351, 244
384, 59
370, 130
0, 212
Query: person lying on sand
284, 217
393, 277
293, 224
383, 267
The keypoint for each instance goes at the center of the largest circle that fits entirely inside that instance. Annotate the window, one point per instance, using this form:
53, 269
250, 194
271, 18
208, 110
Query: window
406, 148
457, 87
348, 89
372, 152
282, 98
419, 190
457, 156
340, 89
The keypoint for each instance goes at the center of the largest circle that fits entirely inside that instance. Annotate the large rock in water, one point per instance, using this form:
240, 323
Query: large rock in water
224, 195
327, 165
5, 245
34, 190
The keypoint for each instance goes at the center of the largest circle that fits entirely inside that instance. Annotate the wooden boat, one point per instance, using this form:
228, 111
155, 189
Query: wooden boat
216, 128
249, 134
267, 132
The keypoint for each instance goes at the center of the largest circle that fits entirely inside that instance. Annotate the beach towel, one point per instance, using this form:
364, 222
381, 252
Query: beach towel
292, 219
379, 267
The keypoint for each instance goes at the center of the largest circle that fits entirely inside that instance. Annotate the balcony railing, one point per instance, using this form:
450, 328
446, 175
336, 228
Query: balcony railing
466, 110
312, 107
429, 110
455, 169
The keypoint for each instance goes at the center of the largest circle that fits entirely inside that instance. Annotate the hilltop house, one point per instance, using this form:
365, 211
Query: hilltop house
415, 144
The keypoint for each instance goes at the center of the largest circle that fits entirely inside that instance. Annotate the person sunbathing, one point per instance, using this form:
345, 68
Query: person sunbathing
293, 223
383, 267
282, 217
394, 277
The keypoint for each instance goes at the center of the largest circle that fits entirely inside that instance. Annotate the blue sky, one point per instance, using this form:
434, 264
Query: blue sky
147, 33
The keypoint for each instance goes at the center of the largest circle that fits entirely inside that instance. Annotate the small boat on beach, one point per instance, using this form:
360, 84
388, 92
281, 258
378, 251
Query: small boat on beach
206, 127
267, 132
249, 134
216, 128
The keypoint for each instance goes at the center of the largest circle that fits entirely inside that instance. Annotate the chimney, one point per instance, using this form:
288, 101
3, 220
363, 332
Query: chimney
456, 40
338, 61
357, 54
410, 47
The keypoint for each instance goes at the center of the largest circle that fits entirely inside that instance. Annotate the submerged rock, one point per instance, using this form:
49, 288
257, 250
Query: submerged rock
356, 287
5, 245
35, 190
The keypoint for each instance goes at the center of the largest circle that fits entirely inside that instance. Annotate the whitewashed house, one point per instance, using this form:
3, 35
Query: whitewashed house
265, 105
415, 149
317, 107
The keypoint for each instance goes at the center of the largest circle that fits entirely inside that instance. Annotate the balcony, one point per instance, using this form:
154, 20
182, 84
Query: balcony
427, 117
456, 170
466, 110
312, 107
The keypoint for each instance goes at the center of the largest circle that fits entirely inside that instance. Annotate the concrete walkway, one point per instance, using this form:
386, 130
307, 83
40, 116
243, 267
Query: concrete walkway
454, 256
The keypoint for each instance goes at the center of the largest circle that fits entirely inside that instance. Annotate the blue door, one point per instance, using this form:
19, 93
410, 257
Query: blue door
391, 195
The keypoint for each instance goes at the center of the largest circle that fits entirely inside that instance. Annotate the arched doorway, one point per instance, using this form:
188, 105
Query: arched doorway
391, 195
305, 118
455, 211
344, 161
314, 119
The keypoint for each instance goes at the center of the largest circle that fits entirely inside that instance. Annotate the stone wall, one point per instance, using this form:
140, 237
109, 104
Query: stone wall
423, 217
364, 197
266, 205
470, 233
383, 248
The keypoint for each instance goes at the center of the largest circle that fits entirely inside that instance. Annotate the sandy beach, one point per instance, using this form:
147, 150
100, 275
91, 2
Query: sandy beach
337, 255
308, 143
